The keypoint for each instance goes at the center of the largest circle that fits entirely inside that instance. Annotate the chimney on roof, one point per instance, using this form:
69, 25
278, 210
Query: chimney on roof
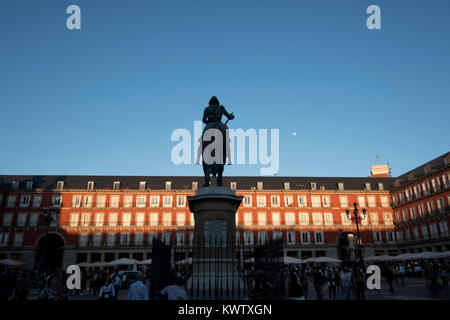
380, 171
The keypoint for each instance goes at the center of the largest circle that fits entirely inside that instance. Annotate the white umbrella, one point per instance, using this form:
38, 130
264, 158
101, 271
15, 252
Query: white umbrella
10, 262
309, 260
123, 261
291, 260
83, 264
327, 259
405, 256
371, 258
148, 261
384, 257
428, 255
97, 264
441, 255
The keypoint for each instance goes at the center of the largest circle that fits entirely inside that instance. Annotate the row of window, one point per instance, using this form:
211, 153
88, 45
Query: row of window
421, 209
26, 200
422, 189
427, 231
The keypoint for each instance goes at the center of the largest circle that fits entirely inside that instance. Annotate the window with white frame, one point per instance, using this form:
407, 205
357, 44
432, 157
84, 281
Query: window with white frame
277, 235
142, 185
181, 201
287, 185
60, 185
233, 185
374, 219
138, 238
276, 221
446, 180
430, 207
328, 218
167, 219
85, 219
345, 221
443, 225
313, 185
387, 217
151, 236
326, 202
29, 185
289, 218
290, 237
433, 230
83, 239
259, 185
116, 185
76, 201
113, 217
399, 235
416, 233
261, 201
101, 201
140, 219
435, 184
74, 217
4, 237
343, 201
384, 201
153, 219
390, 236
398, 217
34, 219
440, 205
262, 237
315, 201
394, 199
99, 219
248, 219
317, 218
247, 201
405, 214
18, 239
371, 201
421, 209
194, 185
377, 237
37, 200
141, 201
261, 218
318, 237
426, 188
97, 239
125, 238
380, 186
21, 219
275, 201
25, 200
424, 231
111, 239
168, 185
11, 201
340, 186
288, 201
362, 201
56, 200
114, 201
87, 201
180, 238
181, 219
127, 201
249, 238
302, 201
167, 201
126, 219
365, 221
305, 237
154, 201
304, 218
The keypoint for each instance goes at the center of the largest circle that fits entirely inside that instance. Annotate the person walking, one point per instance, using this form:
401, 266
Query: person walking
107, 290
318, 282
138, 290
295, 288
117, 285
331, 282
175, 291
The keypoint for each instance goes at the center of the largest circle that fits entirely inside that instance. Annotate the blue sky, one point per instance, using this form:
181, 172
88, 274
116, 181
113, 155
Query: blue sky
105, 99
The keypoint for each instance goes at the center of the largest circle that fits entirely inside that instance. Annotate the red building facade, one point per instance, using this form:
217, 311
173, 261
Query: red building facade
102, 218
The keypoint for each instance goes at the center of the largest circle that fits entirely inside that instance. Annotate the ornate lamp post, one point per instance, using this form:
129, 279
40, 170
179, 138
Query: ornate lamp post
49, 217
357, 218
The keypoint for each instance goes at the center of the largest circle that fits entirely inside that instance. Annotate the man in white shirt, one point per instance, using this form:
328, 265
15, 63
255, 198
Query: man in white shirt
138, 290
176, 291
117, 285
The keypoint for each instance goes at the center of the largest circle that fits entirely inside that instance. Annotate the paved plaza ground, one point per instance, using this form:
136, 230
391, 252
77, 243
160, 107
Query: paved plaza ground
414, 290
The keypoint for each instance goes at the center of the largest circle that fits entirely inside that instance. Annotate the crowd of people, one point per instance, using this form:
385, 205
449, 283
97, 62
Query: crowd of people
275, 282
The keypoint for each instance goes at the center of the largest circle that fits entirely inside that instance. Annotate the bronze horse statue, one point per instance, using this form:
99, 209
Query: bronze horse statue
212, 117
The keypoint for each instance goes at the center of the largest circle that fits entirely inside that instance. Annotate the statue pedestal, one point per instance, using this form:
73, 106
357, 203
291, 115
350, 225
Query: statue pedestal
215, 265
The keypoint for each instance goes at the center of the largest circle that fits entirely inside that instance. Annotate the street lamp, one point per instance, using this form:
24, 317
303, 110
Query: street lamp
49, 217
357, 218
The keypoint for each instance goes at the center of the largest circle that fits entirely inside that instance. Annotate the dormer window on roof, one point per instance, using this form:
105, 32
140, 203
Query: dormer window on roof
60, 185
260, 185
142, 185
116, 185
233, 185
15, 184
429, 169
168, 185
447, 160
287, 186
380, 186
313, 186
340, 185
29, 185
367, 185
90, 185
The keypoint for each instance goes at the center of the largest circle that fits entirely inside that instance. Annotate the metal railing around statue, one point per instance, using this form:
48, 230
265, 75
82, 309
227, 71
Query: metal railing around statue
212, 270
